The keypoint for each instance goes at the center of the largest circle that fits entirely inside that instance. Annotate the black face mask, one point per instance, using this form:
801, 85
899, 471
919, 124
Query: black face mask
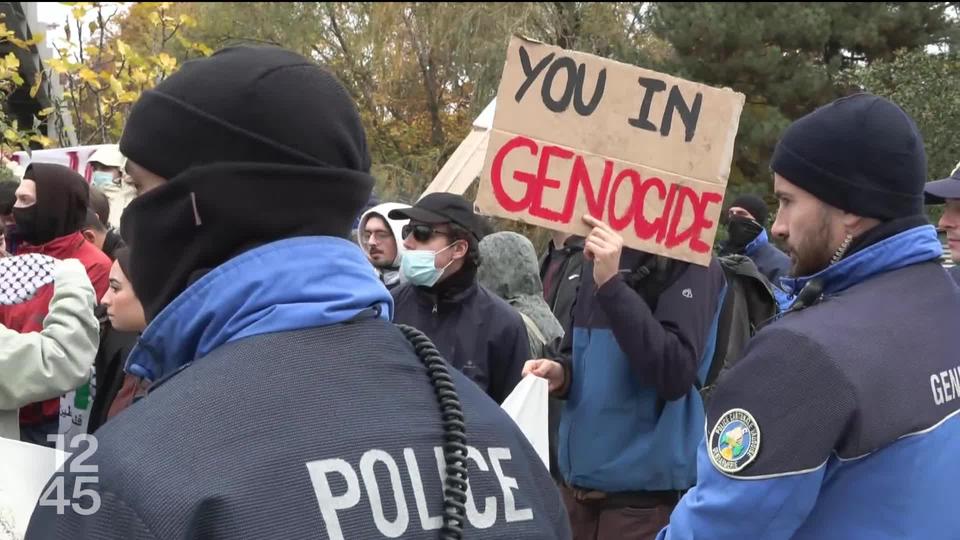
26, 223
742, 231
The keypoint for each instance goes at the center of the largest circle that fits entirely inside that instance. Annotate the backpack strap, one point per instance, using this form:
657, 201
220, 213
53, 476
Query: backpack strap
654, 275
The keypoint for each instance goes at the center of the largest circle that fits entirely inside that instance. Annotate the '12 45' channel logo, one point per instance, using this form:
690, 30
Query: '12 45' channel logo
56, 494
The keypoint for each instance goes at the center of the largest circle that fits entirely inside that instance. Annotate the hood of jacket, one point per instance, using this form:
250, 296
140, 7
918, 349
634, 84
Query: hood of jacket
511, 271
288, 285
396, 226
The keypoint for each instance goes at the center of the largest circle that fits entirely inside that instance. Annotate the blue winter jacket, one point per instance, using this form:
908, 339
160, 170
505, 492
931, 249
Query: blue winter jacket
633, 415
840, 421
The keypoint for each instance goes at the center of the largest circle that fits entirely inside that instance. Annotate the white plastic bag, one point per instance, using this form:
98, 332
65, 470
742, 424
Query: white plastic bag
527, 405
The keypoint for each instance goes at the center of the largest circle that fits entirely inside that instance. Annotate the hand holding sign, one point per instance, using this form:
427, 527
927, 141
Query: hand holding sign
603, 246
645, 153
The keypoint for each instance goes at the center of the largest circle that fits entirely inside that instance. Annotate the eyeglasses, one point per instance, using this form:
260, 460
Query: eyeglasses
381, 236
421, 232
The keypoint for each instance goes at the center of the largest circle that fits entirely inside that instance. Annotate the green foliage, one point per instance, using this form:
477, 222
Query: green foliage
787, 57
925, 86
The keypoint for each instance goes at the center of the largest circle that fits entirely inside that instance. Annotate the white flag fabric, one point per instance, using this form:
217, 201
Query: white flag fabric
527, 405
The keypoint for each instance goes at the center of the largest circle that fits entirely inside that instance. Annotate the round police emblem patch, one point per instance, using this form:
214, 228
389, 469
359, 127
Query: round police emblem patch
734, 441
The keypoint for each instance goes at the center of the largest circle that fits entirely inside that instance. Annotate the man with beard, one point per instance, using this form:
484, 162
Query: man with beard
380, 239
747, 236
840, 420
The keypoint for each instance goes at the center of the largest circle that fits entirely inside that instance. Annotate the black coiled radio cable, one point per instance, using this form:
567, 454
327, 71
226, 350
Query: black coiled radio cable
454, 434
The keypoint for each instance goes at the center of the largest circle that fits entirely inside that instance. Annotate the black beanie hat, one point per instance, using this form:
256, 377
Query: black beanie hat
753, 204
258, 144
862, 154
212, 111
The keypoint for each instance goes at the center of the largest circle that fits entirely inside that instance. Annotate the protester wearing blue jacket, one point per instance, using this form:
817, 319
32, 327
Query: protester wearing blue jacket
840, 421
633, 415
746, 219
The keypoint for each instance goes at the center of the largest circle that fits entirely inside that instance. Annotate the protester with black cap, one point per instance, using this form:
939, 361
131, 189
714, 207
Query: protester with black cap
747, 235
284, 403
947, 193
840, 420
477, 332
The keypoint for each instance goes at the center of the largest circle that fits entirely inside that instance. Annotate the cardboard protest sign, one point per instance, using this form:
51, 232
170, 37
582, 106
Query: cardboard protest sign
645, 152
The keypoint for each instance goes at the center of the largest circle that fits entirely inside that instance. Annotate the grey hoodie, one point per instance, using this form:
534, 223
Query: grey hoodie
511, 271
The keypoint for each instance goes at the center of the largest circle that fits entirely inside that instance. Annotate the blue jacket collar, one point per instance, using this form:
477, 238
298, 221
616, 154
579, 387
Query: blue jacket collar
288, 285
916, 245
761, 240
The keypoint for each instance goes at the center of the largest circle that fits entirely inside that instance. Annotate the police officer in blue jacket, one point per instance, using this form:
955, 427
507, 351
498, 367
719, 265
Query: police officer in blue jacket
947, 193
841, 421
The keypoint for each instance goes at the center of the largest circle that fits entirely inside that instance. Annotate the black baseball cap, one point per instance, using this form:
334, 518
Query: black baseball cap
438, 208
941, 190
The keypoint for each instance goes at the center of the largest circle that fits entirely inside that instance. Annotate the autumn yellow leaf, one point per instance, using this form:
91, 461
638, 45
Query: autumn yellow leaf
123, 48
45, 112
167, 62
203, 49
187, 20
89, 76
10, 135
11, 61
38, 80
58, 65
44, 141
78, 12
115, 85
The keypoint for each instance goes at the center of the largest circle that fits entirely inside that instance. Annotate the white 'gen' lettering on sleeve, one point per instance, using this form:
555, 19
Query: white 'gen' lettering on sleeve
508, 484
937, 391
398, 526
329, 504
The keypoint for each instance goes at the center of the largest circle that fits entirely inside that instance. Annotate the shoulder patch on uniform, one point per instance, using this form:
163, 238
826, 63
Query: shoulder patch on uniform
734, 441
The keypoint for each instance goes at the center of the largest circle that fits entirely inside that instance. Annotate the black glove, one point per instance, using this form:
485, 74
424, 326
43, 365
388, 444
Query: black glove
742, 231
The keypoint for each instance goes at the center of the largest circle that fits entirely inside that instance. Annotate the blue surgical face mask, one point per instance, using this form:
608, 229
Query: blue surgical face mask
102, 178
419, 267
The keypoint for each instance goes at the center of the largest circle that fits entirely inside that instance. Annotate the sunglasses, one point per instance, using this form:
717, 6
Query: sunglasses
421, 232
